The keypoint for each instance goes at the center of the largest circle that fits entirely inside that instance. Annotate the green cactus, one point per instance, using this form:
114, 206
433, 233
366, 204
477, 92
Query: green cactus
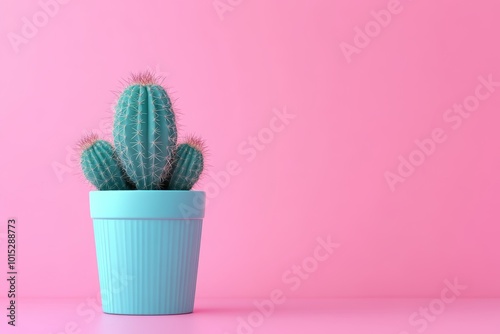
100, 164
147, 156
187, 165
145, 133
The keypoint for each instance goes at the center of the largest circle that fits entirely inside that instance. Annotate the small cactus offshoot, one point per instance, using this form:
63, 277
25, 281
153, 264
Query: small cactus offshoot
145, 155
187, 165
100, 164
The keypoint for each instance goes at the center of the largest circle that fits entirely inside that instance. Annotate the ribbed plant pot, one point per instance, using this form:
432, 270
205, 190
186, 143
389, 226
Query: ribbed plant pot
147, 245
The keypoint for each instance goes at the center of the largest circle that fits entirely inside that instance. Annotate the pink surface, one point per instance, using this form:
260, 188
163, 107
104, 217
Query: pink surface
237, 316
356, 107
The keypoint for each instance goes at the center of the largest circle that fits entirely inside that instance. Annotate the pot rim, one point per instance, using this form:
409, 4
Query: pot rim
147, 204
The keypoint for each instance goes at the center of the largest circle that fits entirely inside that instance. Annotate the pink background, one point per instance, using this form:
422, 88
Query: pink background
322, 175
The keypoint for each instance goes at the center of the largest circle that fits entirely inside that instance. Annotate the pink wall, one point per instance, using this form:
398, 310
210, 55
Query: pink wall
356, 103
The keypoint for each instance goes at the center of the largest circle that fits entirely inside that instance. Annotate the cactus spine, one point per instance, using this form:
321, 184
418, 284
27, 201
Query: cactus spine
146, 155
100, 164
145, 133
187, 165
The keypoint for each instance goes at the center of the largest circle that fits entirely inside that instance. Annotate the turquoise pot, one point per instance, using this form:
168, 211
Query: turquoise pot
147, 245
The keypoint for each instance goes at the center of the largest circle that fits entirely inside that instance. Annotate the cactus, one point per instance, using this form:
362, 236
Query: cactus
100, 164
187, 165
146, 155
145, 133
